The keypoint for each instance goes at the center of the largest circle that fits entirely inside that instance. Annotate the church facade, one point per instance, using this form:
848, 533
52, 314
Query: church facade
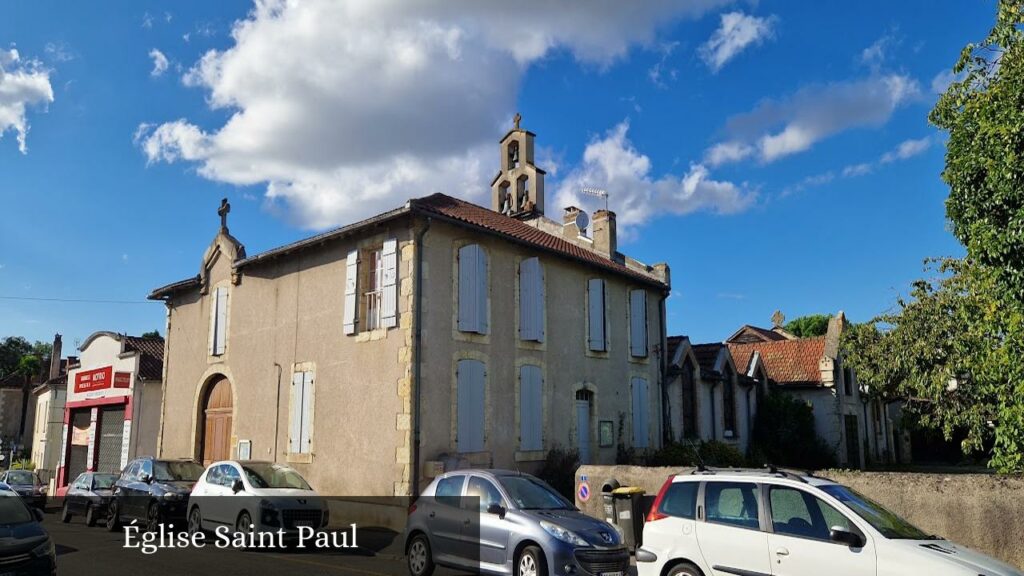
436, 335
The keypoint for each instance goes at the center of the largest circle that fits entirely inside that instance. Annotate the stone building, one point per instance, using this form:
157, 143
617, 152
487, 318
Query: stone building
437, 334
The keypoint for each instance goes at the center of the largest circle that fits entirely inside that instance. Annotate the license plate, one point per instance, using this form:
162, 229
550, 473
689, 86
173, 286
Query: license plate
299, 524
611, 573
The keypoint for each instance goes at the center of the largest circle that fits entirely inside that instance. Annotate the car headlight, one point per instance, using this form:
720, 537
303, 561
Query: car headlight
45, 549
567, 536
41, 490
173, 496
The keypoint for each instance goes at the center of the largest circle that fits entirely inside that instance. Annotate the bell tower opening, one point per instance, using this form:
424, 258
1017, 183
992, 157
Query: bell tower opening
518, 188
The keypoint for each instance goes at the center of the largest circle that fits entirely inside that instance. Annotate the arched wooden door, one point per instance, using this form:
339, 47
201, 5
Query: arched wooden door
216, 425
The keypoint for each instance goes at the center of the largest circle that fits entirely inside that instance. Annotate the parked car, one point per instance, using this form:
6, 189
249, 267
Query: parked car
778, 522
25, 547
506, 522
249, 495
89, 495
152, 491
27, 484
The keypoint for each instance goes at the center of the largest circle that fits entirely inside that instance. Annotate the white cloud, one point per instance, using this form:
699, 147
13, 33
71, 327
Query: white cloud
855, 170
943, 79
612, 163
22, 84
879, 51
736, 33
727, 152
907, 149
776, 129
341, 109
160, 62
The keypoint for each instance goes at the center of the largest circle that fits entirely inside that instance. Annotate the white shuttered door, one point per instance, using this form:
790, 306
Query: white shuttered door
351, 298
389, 284
531, 300
595, 314
531, 404
300, 424
640, 413
470, 409
638, 323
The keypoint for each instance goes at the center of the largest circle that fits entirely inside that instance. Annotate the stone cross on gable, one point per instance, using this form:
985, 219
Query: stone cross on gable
225, 207
516, 119
778, 319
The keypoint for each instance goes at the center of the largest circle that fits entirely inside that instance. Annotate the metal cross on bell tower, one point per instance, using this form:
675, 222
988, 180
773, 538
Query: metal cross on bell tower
223, 211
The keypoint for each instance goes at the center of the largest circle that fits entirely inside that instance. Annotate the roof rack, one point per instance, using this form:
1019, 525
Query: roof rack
768, 470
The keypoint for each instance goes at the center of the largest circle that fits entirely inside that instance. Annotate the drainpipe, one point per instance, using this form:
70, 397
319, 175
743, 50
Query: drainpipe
663, 369
417, 343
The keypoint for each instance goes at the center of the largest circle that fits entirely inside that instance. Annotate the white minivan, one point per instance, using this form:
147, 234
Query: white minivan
778, 523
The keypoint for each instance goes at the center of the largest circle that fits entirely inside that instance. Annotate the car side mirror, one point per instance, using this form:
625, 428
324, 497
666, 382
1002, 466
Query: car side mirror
844, 536
496, 509
237, 486
38, 514
146, 478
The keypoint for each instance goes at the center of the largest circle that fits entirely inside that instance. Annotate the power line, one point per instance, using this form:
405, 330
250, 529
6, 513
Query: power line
79, 300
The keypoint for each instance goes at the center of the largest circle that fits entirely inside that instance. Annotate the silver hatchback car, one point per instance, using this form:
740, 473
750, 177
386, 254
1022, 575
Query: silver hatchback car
505, 522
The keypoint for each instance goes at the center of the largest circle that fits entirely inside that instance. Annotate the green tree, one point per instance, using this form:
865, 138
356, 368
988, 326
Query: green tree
12, 348
808, 326
151, 334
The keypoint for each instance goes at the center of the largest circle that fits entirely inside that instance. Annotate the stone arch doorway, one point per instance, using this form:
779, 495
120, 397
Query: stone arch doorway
215, 420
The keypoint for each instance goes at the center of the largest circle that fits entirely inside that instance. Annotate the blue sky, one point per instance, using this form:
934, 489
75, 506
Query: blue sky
776, 156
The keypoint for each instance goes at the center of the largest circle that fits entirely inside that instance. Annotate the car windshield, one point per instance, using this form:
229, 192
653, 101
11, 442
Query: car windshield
529, 493
13, 511
101, 481
176, 471
889, 524
21, 477
264, 475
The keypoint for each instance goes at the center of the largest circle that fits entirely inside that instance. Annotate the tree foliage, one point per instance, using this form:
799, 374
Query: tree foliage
808, 326
14, 348
151, 334
784, 435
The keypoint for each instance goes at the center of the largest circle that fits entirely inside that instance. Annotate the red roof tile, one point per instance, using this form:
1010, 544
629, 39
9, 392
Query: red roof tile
787, 361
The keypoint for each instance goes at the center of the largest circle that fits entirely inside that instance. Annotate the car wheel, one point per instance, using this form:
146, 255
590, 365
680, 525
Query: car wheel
195, 521
418, 557
114, 516
90, 515
531, 562
65, 514
153, 517
685, 570
244, 523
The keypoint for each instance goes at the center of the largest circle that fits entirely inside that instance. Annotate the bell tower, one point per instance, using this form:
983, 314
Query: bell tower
518, 189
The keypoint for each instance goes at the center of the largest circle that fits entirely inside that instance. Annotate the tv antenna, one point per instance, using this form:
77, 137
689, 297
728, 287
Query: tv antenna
597, 193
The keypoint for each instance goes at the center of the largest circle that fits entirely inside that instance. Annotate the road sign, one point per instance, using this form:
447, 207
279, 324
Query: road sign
583, 492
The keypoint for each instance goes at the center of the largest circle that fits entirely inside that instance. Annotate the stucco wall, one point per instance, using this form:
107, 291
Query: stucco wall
563, 357
984, 512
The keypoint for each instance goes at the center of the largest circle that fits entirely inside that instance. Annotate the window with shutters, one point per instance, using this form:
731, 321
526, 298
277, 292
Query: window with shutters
641, 412
638, 323
472, 290
531, 408
597, 325
218, 321
371, 288
470, 378
374, 281
531, 300
301, 405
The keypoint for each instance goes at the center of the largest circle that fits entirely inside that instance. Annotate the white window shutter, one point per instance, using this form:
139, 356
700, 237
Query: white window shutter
531, 300
470, 409
640, 412
638, 322
220, 320
530, 408
595, 310
213, 321
351, 298
295, 414
482, 290
306, 433
389, 286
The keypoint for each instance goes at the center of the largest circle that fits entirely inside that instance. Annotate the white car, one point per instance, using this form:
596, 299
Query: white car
247, 496
773, 523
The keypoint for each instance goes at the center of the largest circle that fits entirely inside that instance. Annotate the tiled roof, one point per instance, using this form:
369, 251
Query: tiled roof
151, 356
788, 362
517, 230
750, 333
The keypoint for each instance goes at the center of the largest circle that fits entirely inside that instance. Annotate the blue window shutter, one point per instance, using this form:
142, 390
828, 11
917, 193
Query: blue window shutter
595, 311
531, 403
295, 416
468, 298
389, 285
306, 434
638, 323
531, 300
351, 283
640, 412
470, 408
482, 291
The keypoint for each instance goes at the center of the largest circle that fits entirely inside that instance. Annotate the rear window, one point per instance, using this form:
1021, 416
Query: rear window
680, 500
449, 490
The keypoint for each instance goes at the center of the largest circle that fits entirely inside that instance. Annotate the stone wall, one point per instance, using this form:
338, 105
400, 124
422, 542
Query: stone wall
982, 511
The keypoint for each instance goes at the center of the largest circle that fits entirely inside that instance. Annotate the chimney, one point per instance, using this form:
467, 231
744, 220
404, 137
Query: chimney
55, 357
604, 234
569, 229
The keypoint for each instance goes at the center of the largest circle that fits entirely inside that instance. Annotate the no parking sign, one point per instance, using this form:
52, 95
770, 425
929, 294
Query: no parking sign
583, 491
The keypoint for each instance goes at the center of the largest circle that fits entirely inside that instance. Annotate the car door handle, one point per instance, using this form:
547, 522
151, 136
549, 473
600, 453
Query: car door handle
432, 514
782, 552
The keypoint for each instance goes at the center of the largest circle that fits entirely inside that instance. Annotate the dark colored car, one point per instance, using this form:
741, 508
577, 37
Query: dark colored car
153, 492
88, 495
27, 484
25, 547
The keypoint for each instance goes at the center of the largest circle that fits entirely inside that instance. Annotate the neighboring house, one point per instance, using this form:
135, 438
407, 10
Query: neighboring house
112, 408
48, 399
708, 397
437, 334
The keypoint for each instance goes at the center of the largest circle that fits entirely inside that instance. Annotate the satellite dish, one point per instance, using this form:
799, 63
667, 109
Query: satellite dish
582, 221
